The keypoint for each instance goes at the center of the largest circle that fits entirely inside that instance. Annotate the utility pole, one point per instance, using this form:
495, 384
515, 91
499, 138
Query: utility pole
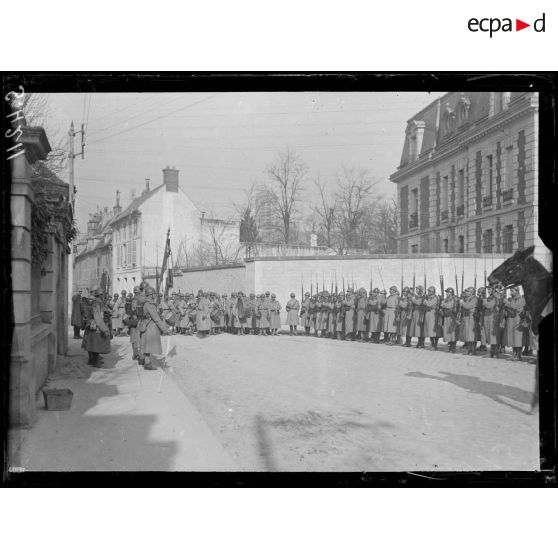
71, 157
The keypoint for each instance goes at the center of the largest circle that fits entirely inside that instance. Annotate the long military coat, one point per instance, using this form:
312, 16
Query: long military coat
96, 340
417, 319
331, 317
491, 321
390, 313
203, 321
274, 314
263, 310
150, 329
405, 315
339, 316
134, 333
305, 312
431, 327
292, 306
514, 331
449, 308
468, 326
76, 319
361, 312
349, 305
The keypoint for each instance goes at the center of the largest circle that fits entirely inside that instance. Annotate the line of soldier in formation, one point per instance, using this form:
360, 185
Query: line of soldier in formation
484, 316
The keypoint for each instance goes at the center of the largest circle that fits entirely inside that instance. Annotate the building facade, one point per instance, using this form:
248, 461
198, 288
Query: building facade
93, 254
468, 176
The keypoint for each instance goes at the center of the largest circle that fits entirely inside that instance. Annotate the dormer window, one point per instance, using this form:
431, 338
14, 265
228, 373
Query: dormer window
415, 133
463, 109
449, 119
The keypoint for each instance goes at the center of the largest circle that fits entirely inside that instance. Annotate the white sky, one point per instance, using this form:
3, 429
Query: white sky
222, 142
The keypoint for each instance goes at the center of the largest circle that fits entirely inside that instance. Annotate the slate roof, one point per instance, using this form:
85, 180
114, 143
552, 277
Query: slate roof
135, 205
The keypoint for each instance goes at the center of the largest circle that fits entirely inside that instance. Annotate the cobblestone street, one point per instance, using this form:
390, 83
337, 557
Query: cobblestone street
296, 403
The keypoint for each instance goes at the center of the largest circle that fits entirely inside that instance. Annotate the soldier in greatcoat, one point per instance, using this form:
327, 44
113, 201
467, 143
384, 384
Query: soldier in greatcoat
132, 319
417, 320
265, 313
362, 315
449, 307
481, 333
390, 316
469, 306
312, 313
96, 339
150, 328
181, 318
292, 307
405, 313
491, 322
339, 316
332, 321
514, 309
226, 311
76, 319
203, 320
349, 306
274, 315
305, 313
374, 318
431, 319
250, 313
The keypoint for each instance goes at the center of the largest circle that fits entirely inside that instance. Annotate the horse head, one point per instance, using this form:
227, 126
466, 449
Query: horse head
510, 272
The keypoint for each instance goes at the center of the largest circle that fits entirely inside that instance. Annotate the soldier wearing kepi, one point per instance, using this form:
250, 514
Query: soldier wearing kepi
449, 307
96, 339
431, 329
150, 328
292, 307
390, 316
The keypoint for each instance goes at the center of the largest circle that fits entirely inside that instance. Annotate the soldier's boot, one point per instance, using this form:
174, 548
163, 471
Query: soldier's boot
141, 359
492, 351
148, 364
482, 349
90, 357
295, 331
407, 341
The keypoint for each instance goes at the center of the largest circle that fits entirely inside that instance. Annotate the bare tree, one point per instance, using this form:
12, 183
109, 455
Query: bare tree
326, 213
385, 227
35, 107
283, 190
355, 201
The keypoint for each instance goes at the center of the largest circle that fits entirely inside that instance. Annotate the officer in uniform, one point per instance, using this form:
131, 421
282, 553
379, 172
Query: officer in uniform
203, 320
361, 311
292, 307
305, 313
481, 332
349, 307
405, 313
491, 322
374, 308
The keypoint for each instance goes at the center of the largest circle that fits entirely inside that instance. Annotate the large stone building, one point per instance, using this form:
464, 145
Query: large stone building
468, 177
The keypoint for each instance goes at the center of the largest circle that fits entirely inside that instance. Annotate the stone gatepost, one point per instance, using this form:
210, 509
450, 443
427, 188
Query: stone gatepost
22, 378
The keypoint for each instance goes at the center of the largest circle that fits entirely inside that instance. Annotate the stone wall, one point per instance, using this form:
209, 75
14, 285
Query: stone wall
220, 279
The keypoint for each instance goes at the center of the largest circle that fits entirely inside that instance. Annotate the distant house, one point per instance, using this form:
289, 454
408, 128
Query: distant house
139, 232
467, 180
93, 254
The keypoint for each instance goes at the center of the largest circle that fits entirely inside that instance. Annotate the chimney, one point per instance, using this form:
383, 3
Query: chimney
170, 179
146, 185
117, 209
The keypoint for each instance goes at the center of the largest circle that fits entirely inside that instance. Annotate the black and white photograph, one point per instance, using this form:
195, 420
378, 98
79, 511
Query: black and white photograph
298, 280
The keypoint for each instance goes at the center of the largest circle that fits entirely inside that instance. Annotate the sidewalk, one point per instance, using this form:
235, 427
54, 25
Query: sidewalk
118, 422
